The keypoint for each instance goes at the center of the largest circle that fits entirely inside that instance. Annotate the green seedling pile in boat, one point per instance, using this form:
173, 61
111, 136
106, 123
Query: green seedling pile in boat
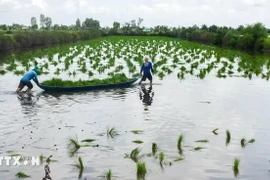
117, 78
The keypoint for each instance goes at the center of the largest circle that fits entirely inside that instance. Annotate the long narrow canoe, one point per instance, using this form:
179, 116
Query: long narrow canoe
86, 88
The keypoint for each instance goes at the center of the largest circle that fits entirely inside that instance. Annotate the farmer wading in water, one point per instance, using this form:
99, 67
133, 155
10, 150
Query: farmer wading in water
26, 79
147, 68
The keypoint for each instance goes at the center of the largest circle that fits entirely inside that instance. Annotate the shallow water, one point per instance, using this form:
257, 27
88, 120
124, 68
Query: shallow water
43, 123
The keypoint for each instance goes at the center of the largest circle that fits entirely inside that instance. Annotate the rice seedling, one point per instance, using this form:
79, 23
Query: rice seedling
161, 158
236, 167
228, 137
154, 148
2, 72
141, 170
178, 159
215, 131
79, 165
21, 175
116, 78
134, 155
73, 145
111, 132
251, 141
137, 131
42, 158
138, 141
198, 148
243, 142
107, 175
179, 143
202, 141
88, 140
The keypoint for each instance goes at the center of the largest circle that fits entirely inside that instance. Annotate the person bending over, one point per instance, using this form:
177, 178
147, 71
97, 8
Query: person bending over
26, 79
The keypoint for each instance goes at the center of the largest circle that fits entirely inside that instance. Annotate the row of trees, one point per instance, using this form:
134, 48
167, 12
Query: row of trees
251, 37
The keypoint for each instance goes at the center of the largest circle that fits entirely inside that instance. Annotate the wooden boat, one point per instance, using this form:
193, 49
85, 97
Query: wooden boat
87, 88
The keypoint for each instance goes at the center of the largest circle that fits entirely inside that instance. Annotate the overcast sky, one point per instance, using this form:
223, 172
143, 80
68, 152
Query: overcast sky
154, 12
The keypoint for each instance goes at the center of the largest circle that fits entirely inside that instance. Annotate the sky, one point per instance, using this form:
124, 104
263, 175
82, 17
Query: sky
172, 13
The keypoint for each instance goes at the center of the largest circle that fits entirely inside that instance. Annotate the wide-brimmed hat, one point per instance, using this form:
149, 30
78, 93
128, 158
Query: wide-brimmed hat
37, 69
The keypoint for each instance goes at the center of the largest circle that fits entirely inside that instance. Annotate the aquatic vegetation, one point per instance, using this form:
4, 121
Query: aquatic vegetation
137, 131
198, 148
79, 165
21, 175
251, 141
42, 158
236, 167
228, 137
73, 145
117, 78
88, 140
178, 159
138, 141
134, 155
202, 141
141, 170
243, 142
107, 175
111, 132
154, 148
161, 158
2, 72
215, 131
179, 143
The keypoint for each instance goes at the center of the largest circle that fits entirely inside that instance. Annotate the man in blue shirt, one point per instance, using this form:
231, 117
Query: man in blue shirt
26, 79
147, 68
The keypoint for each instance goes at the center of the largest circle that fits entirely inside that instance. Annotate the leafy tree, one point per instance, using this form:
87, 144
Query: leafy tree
48, 22
204, 27
240, 28
91, 24
140, 20
42, 20
213, 28
78, 23
116, 25
230, 39
246, 41
56, 27
34, 22
4, 27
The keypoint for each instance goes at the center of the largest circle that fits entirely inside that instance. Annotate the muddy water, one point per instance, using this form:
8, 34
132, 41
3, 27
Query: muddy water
41, 124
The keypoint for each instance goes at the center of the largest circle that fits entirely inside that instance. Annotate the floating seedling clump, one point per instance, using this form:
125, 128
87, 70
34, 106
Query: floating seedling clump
21, 175
117, 78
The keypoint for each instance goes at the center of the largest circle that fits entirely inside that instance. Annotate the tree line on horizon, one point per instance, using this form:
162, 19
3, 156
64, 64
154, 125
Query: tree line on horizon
250, 37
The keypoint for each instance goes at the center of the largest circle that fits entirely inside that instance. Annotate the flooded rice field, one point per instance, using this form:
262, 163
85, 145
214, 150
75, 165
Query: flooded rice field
187, 125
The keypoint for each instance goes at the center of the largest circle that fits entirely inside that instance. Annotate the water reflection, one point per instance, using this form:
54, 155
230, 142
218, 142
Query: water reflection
146, 95
118, 93
28, 103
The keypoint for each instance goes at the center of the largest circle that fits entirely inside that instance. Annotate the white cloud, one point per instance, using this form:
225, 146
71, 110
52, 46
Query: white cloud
154, 12
40, 4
